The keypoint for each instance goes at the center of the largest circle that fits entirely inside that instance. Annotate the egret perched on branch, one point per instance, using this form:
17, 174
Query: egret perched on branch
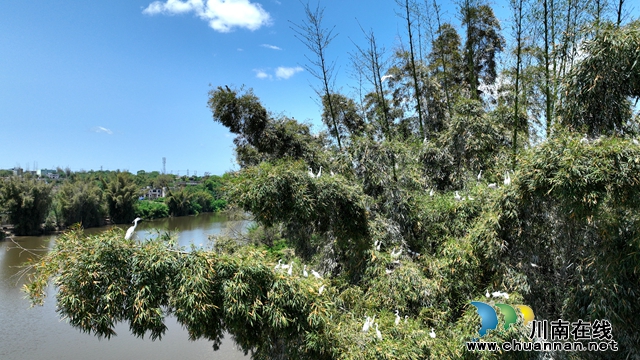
397, 318
492, 186
507, 178
304, 272
132, 229
378, 334
367, 324
480, 175
432, 334
290, 269
315, 273
457, 196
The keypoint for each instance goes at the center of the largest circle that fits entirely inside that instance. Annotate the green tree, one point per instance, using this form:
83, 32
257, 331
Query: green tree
598, 88
81, 202
121, 193
180, 202
347, 116
482, 44
27, 201
259, 137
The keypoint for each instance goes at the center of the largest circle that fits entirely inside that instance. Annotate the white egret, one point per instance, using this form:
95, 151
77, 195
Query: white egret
367, 325
394, 254
321, 290
507, 178
132, 229
432, 334
378, 246
315, 273
492, 186
388, 271
480, 175
487, 294
284, 267
378, 334
290, 272
385, 77
405, 318
635, 142
470, 198
535, 265
500, 294
397, 318
319, 172
431, 192
332, 174
311, 174
304, 272
278, 265
457, 196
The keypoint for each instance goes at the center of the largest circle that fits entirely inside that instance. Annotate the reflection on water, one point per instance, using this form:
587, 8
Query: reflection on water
38, 333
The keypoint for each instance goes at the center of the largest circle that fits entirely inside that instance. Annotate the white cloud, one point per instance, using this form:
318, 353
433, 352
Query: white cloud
100, 129
273, 47
222, 15
287, 72
261, 74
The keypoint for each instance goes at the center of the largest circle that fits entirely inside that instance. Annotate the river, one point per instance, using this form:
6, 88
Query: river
39, 334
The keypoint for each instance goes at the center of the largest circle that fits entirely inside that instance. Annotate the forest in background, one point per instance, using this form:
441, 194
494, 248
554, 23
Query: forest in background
444, 178
36, 206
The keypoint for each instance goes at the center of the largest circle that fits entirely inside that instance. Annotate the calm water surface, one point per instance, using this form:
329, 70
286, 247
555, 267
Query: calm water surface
38, 333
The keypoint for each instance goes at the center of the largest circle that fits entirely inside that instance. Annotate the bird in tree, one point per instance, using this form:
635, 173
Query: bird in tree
378, 334
507, 178
480, 175
304, 271
397, 318
132, 229
367, 324
315, 273
432, 334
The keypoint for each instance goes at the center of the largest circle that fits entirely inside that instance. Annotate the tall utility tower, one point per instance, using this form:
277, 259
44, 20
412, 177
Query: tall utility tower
164, 165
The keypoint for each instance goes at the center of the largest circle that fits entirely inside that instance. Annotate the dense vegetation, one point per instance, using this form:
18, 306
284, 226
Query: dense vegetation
88, 198
404, 204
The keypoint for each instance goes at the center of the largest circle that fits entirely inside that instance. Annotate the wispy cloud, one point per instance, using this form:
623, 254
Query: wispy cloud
222, 15
100, 129
273, 47
287, 72
261, 74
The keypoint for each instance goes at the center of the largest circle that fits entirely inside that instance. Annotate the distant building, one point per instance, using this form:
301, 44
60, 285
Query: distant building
17, 171
154, 193
45, 172
53, 175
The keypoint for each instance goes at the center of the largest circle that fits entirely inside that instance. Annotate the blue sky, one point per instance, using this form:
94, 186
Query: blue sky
120, 84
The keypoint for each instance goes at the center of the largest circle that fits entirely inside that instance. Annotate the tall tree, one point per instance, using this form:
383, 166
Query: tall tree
517, 6
317, 39
483, 43
408, 8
